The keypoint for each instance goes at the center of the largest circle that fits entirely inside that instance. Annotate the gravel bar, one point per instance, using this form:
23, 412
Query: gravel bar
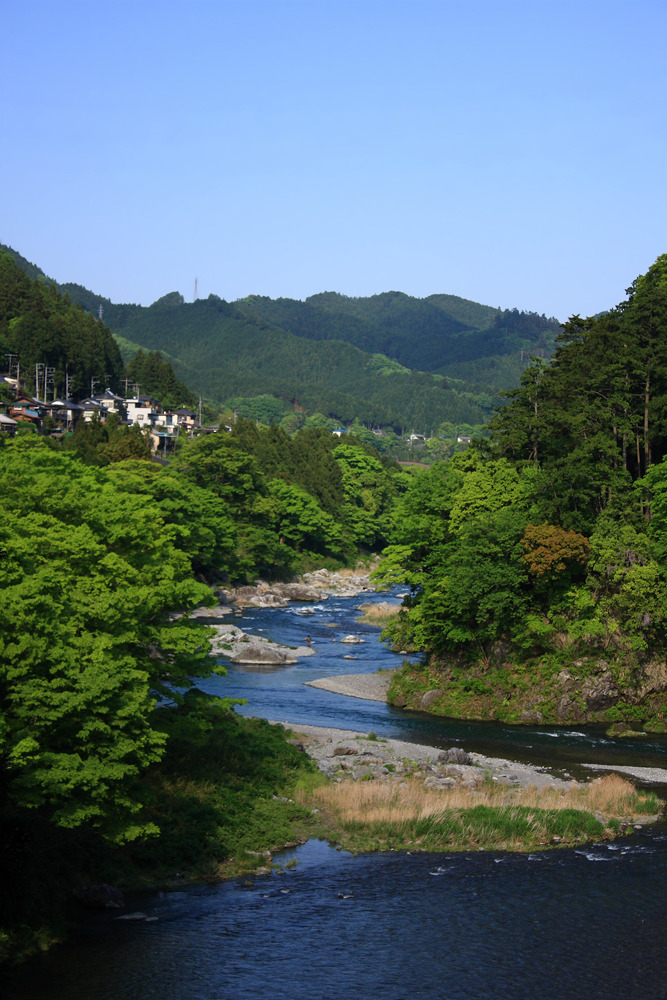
372, 687
649, 775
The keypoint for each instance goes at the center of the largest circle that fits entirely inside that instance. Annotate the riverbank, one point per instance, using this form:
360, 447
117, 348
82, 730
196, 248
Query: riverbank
387, 794
375, 687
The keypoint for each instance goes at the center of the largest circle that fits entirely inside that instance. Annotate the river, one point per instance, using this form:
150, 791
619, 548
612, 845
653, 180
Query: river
576, 923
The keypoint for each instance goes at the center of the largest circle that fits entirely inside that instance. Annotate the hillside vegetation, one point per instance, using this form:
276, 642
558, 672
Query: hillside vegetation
538, 566
390, 360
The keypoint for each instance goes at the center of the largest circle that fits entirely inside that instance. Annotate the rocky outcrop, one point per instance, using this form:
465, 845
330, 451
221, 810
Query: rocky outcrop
311, 587
238, 647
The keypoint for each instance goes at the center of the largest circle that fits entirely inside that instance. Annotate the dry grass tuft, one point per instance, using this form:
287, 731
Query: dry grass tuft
392, 803
378, 614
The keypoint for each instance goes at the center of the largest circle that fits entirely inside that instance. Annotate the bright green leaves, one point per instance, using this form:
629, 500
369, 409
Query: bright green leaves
301, 522
368, 496
89, 576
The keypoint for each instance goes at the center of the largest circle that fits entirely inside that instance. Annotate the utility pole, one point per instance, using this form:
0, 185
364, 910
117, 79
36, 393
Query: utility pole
200, 411
48, 381
195, 295
39, 373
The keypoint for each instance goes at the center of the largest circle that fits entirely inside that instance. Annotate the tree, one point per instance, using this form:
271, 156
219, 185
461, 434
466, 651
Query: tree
89, 580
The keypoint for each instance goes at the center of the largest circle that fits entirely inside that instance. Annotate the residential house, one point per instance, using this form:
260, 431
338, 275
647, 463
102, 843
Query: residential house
90, 408
143, 410
111, 403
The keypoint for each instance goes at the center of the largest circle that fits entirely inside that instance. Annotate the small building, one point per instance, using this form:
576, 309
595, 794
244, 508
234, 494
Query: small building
90, 408
65, 412
7, 425
186, 418
111, 403
142, 410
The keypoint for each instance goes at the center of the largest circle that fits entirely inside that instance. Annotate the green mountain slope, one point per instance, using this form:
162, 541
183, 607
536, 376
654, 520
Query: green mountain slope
39, 327
388, 359
225, 353
442, 333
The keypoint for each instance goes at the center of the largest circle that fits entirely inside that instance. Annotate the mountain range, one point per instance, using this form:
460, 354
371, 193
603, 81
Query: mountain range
389, 359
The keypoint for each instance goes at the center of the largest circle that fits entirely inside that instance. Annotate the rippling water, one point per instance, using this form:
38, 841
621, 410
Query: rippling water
588, 923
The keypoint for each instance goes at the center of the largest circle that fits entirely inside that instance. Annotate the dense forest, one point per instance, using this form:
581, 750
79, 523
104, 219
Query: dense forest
538, 561
39, 326
439, 334
390, 360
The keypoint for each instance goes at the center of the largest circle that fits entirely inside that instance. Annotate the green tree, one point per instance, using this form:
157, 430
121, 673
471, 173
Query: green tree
89, 579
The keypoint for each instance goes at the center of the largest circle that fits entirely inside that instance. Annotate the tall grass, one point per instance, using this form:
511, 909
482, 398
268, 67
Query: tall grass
378, 815
378, 614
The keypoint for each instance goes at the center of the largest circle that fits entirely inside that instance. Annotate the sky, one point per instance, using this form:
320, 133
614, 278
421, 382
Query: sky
512, 152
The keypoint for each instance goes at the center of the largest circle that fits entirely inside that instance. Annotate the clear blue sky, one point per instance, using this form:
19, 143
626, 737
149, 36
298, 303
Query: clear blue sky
512, 152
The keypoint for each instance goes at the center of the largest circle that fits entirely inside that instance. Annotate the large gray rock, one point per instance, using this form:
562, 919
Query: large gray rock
455, 755
262, 653
429, 697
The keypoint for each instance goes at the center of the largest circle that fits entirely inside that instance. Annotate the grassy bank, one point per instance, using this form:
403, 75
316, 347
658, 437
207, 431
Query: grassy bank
378, 816
554, 689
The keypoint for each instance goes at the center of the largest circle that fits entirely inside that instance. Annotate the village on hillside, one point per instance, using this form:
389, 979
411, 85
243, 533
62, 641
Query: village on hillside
60, 416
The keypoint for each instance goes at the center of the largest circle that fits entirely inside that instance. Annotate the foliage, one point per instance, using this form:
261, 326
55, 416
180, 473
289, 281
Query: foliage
40, 326
537, 555
155, 377
89, 577
98, 443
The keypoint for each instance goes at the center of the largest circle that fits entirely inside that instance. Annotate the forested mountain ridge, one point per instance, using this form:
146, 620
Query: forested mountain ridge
432, 334
372, 359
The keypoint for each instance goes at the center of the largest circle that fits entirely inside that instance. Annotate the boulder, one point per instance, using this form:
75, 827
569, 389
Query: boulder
455, 755
599, 692
429, 697
531, 718
262, 653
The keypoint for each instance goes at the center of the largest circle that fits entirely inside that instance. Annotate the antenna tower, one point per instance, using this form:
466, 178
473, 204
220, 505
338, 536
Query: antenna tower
195, 296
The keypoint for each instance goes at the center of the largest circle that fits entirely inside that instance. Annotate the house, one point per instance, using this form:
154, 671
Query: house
89, 408
111, 403
186, 419
26, 410
163, 441
7, 425
65, 412
142, 410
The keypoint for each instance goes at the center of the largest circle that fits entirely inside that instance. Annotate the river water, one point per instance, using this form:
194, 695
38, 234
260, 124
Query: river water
586, 923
